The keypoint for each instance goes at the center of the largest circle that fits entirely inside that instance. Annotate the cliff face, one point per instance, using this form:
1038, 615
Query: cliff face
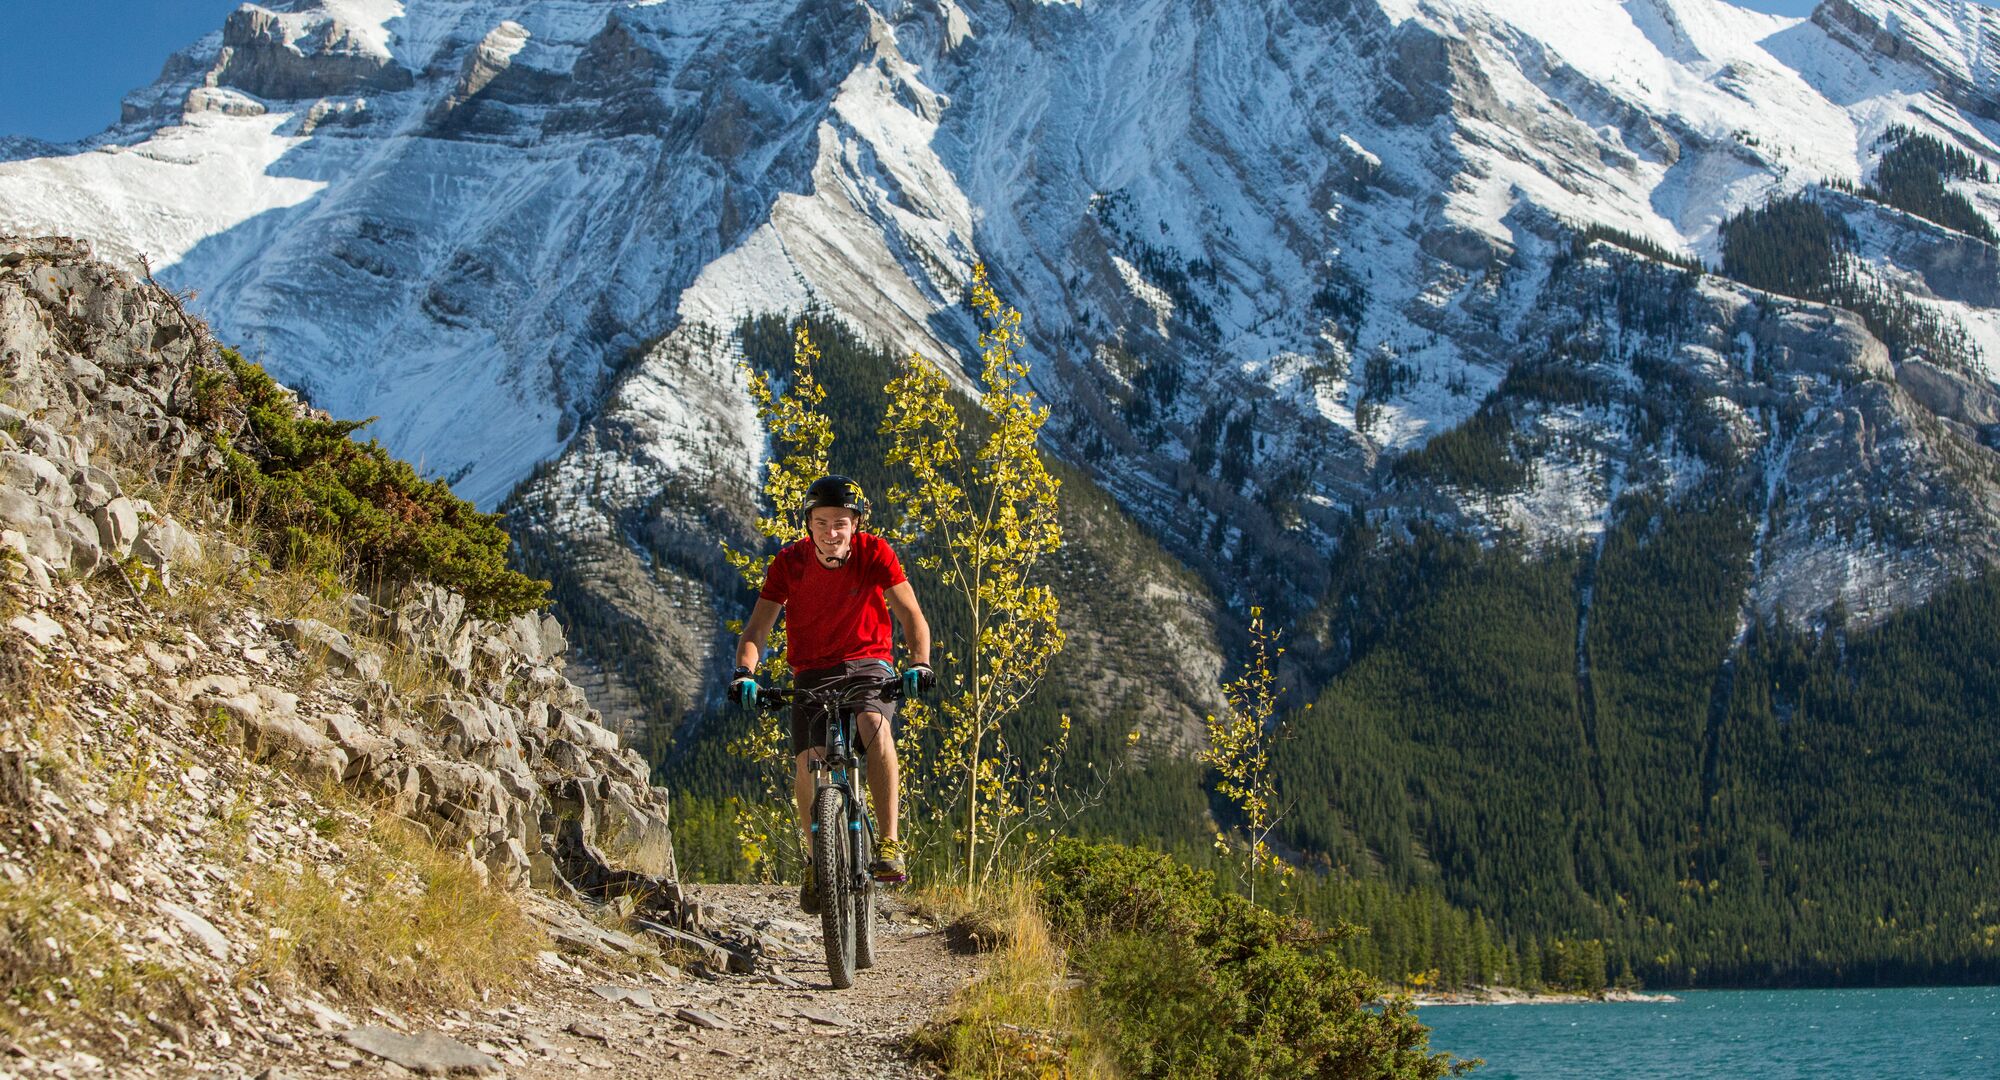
192, 738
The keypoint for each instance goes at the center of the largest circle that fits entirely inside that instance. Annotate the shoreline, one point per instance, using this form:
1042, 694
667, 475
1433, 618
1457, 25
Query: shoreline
1503, 995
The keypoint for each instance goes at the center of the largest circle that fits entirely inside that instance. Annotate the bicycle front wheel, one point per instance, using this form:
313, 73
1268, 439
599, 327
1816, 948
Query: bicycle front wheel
864, 904
834, 859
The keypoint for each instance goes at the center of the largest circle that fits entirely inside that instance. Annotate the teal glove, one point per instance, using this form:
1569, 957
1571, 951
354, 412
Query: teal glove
743, 689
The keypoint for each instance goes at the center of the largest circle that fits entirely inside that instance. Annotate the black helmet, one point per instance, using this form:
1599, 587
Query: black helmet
833, 491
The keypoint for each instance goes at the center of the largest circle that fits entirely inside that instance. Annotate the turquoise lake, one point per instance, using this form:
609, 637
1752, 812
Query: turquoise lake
1904, 1034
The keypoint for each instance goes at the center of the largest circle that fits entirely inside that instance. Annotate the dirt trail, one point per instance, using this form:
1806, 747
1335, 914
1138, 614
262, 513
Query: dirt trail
586, 1013
772, 1029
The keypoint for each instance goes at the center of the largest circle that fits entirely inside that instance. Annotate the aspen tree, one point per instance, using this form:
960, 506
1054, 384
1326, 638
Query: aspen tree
1239, 750
982, 518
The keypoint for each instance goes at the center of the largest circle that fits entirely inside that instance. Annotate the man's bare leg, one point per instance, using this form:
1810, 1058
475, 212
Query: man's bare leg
802, 790
884, 774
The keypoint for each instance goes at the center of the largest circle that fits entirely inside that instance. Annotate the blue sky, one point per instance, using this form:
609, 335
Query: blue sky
45, 90
65, 64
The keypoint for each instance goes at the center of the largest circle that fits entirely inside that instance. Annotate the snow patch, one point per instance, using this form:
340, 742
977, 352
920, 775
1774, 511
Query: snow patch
506, 40
1565, 500
1359, 151
367, 20
1982, 327
208, 175
754, 278
1149, 294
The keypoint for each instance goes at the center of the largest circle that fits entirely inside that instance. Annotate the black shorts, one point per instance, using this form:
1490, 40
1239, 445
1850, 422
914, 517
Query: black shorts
809, 720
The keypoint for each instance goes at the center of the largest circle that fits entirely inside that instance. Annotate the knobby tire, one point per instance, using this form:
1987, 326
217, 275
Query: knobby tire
864, 909
834, 860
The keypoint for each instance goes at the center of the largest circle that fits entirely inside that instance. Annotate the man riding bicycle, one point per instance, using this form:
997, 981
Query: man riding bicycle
838, 586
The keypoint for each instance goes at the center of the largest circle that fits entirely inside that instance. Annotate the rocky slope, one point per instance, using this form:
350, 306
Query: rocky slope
491, 756
241, 816
1266, 251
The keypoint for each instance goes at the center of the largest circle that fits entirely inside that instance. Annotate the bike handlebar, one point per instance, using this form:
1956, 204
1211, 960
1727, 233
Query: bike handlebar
833, 695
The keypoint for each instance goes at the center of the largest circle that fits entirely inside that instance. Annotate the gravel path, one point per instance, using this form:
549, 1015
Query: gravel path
586, 1013
770, 1029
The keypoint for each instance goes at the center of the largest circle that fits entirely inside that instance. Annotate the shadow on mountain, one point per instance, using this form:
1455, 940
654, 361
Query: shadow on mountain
1831, 66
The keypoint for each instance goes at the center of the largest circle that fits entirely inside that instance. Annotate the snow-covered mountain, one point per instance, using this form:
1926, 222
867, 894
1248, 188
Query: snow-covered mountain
1267, 249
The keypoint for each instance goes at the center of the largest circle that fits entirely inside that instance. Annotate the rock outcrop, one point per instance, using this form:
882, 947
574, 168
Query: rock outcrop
178, 715
1868, 478
311, 54
503, 755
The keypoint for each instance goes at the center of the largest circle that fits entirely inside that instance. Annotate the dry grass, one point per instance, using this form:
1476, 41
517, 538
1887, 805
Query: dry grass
975, 921
1022, 1018
34, 694
63, 972
394, 919
232, 571
9, 559
411, 678
399, 920
622, 913
63, 975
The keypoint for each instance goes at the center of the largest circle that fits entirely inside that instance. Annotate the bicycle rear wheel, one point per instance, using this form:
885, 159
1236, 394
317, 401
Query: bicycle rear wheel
834, 859
864, 907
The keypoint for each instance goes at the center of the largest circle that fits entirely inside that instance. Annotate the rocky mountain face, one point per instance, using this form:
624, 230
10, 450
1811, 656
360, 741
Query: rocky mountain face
1870, 483
1269, 253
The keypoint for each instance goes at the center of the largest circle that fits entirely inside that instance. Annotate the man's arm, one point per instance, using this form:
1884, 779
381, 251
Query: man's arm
916, 631
757, 630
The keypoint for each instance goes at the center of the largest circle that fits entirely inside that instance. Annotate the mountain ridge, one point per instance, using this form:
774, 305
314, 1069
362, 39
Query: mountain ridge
1188, 202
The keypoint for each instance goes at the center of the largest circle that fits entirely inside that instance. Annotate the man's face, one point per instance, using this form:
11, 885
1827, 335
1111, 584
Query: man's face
832, 533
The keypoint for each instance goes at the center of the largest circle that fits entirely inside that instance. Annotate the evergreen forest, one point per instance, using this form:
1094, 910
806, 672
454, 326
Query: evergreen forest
1618, 779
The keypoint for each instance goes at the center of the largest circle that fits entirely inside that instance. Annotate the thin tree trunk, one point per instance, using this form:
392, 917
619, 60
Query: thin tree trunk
978, 740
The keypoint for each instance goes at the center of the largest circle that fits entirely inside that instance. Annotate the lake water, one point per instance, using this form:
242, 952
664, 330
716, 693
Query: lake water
1902, 1034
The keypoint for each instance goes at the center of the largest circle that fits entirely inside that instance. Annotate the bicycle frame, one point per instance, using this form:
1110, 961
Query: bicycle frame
835, 768
847, 906
837, 764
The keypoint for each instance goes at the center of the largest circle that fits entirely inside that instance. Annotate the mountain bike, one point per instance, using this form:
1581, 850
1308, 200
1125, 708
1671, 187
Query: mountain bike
843, 833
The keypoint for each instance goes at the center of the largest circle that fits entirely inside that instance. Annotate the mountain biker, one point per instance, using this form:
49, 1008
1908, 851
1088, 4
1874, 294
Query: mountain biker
838, 586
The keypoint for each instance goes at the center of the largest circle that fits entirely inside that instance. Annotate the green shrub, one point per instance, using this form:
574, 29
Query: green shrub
330, 503
1188, 982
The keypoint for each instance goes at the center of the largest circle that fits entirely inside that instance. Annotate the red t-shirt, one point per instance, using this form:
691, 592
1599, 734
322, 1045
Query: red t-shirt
834, 614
